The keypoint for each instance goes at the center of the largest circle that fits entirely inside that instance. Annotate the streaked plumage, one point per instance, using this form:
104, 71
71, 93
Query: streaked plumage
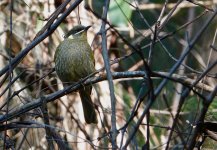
74, 60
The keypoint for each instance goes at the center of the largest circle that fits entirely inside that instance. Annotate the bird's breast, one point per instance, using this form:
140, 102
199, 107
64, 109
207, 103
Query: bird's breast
73, 60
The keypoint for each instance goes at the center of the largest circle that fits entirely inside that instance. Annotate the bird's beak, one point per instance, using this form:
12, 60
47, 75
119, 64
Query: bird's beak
87, 28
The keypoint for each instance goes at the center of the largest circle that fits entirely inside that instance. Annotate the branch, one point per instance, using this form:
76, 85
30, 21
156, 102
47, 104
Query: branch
109, 75
116, 75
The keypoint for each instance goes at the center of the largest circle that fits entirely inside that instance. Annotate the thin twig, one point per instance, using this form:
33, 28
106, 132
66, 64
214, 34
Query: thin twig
47, 122
109, 75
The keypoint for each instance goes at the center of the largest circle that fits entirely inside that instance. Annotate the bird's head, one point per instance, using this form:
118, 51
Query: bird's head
78, 31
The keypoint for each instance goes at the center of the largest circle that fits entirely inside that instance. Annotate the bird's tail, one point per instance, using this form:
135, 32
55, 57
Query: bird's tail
88, 106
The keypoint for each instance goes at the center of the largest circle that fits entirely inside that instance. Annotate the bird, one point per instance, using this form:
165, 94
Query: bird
74, 60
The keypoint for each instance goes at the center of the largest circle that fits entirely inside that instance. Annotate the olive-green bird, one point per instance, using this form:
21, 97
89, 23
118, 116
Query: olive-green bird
74, 60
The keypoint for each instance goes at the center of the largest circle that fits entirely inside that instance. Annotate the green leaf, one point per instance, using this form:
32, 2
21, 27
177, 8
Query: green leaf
119, 13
